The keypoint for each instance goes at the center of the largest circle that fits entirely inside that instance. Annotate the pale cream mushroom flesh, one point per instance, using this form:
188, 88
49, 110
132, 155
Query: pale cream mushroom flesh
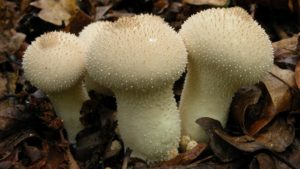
140, 58
54, 63
87, 36
227, 49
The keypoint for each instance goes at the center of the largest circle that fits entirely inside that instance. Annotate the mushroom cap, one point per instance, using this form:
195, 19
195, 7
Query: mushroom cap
90, 31
54, 61
86, 36
240, 12
228, 41
138, 53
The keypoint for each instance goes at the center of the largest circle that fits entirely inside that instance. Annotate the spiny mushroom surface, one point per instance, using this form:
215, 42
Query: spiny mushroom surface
140, 58
227, 49
54, 63
87, 36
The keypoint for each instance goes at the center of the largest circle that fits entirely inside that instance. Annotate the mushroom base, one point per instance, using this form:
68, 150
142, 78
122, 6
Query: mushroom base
149, 122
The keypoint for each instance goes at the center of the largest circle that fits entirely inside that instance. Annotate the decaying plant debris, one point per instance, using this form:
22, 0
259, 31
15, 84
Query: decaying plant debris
263, 127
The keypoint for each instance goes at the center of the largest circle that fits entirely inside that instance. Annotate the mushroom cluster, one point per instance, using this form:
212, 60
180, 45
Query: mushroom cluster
149, 56
227, 49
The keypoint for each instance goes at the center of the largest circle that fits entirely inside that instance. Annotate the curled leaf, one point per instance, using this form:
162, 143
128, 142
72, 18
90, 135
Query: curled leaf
278, 84
243, 99
286, 51
223, 150
276, 138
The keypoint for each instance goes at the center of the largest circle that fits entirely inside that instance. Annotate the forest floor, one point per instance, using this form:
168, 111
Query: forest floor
263, 127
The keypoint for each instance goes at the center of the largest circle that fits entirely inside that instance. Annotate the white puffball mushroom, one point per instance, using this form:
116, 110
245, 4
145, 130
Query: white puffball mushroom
54, 63
227, 49
87, 36
140, 58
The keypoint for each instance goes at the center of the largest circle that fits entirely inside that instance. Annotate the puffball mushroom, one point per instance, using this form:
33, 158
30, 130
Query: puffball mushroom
227, 49
54, 62
140, 58
87, 36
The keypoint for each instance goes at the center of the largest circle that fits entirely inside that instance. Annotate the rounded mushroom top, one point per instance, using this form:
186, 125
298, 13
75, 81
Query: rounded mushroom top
138, 53
228, 41
90, 31
54, 61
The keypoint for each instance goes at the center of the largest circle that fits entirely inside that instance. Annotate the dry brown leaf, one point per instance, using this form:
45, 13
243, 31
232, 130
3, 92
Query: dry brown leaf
297, 74
285, 75
186, 157
10, 42
8, 145
56, 11
241, 101
286, 51
160, 6
78, 21
102, 10
285, 47
262, 161
208, 2
278, 84
223, 150
276, 138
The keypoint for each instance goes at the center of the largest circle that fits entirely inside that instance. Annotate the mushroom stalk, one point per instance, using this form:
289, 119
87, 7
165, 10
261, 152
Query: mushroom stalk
67, 105
154, 114
214, 99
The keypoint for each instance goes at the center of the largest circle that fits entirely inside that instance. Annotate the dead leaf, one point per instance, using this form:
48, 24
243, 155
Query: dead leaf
223, 150
10, 116
56, 11
292, 156
54, 156
242, 100
114, 14
285, 75
15, 42
160, 6
8, 15
101, 11
7, 146
262, 161
286, 51
297, 74
10, 42
186, 157
276, 138
32, 152
278, 83
208, 2
78, 21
